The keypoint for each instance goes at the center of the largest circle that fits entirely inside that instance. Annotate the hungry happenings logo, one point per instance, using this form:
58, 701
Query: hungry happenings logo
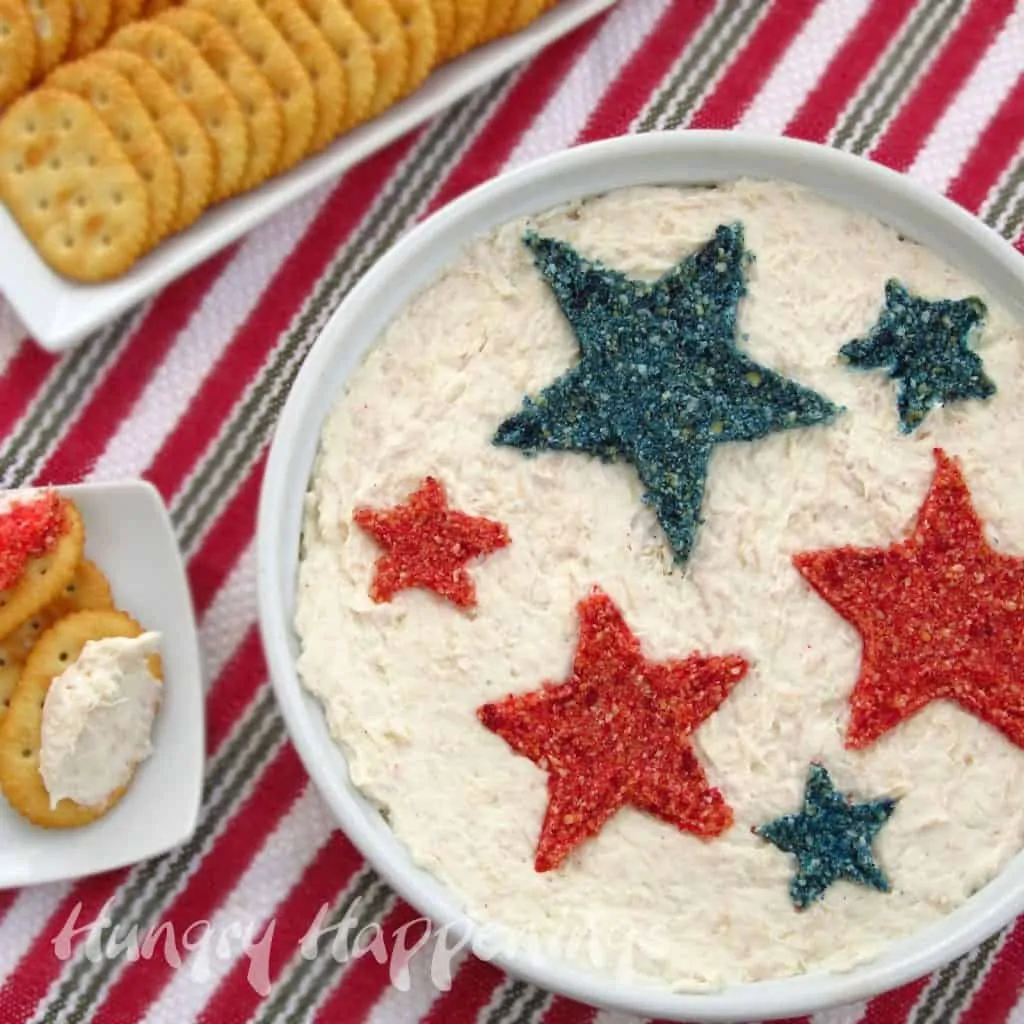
207, 950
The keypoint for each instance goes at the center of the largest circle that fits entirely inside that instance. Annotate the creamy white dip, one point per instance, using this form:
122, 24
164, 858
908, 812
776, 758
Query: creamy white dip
98, 720
401, 682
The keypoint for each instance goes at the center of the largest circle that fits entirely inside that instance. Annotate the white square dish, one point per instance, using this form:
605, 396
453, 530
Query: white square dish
129, 536
59, 312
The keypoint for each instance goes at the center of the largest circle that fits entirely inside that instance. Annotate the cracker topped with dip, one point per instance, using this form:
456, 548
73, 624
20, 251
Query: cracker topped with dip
80, 681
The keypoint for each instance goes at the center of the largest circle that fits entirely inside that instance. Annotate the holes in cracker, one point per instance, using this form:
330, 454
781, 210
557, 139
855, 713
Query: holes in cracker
30, 126
63, 656
284, 95
105, 241
214, 123
185, 87
102, 98
56, 163
25, 752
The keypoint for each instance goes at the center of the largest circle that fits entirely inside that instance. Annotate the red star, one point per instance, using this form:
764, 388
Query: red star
617, 732
427, 544
941, 615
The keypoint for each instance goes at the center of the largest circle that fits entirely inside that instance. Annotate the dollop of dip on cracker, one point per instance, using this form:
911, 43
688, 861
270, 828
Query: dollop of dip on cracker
98, 719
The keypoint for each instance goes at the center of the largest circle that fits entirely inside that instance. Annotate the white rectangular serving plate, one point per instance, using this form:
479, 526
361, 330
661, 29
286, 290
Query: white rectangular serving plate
58, 312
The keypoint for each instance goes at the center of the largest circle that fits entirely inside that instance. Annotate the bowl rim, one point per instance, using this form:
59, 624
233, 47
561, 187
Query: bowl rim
691, 157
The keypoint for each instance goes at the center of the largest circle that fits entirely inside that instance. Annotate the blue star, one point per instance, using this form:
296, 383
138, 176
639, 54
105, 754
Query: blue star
831, 838
923, 345
660, 380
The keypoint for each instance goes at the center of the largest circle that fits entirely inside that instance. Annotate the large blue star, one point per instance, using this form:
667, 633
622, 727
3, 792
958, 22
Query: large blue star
660, 380
923, 345
831, 839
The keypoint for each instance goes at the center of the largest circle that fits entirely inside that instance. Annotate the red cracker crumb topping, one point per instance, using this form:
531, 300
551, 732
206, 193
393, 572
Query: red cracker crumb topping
28, 529
941, 615
427, 545
616, 732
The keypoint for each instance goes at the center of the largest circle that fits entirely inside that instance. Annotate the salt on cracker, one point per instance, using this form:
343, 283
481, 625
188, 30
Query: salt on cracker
68, 183
469, 22
51, 20
189, 145
212, 102
88, 590
124, 12
90, 22
21, 729
345, 35
420, 27
321, 63
274, 57
390, 49
250, 87
46, 576
496, 20
113, 98
444, 20
17, 49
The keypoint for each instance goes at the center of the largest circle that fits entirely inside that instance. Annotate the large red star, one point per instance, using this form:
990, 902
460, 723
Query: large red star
941, 616
617, 732
427, 544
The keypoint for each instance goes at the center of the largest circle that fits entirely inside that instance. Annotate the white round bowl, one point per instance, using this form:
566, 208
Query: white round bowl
682, 158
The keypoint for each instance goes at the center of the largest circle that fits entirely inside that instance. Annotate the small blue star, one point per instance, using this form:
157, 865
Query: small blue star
660, 380
923, 345
831, 838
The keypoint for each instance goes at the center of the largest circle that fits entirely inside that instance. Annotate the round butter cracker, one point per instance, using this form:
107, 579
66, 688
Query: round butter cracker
352, 45
382, 25
17, 49
112, 97
88, 590
209, 99
274, 57
444, 19
124, 12
190, 147
470, 16
21, 729
46, 576
250, 87
90, 22
51, 20
321, 63
420, 27
76, 196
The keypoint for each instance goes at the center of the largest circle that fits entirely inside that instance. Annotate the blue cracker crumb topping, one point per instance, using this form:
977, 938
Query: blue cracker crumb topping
660, 380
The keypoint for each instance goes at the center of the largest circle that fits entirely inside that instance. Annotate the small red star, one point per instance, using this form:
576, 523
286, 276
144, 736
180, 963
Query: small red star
941, 615
616, 732
427, 545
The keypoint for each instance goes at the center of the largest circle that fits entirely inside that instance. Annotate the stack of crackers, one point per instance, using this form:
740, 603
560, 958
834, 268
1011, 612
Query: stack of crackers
60, 602
145, 112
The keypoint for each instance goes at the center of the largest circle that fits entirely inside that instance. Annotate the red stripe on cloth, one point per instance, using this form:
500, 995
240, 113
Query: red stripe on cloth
236, 1000
644, 71
751, 68
214, 877
271, 316
20, 382
940, 84
7, 897
566, 1011
1002, 985
114, 398
870, 38
30, 980
375, 959
518, 111
228, 538
1000, 142
895, 1005
234, 691
472, 989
